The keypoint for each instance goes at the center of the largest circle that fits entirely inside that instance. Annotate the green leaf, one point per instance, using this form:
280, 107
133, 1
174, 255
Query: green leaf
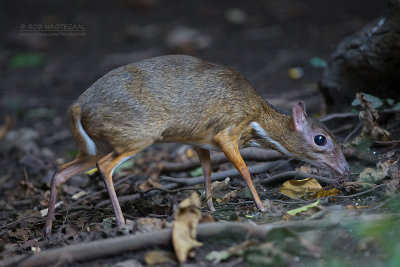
390, 101
247, 193
24, 60
318, 62
218, 256
304, 208
107, 222
196, 172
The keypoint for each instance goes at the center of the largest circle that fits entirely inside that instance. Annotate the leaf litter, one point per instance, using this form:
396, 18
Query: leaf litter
310, 204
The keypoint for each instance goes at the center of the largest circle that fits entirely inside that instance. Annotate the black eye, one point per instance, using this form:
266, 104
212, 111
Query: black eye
320, 140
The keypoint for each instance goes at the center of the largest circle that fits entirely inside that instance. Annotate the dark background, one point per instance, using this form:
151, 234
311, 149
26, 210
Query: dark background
276, 36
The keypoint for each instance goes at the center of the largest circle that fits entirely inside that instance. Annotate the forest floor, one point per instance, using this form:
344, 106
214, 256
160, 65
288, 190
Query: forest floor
355, 222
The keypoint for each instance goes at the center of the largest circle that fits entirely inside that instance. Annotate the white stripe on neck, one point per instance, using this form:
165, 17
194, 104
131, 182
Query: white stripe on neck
254, 143
263, 134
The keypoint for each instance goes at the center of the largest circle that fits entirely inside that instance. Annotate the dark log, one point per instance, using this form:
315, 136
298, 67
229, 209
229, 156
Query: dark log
368, 61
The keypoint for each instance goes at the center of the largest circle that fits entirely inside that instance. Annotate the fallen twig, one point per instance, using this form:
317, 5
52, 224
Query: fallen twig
222, 175
19, 220
353, 153
391, 142
100, 191
167, 189
338, 116
352, 133
250, 154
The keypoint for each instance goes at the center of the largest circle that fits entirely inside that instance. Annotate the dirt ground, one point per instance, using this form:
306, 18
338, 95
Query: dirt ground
271, 43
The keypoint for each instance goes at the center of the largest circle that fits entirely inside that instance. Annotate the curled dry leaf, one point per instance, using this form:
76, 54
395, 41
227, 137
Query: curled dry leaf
370, 175
306, 169
148, 224
220, 186
158, 257
149, 183
300, 188
326, 193
184, 229
228, 196
369, 118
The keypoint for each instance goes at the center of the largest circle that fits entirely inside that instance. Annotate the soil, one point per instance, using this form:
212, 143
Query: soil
42, 75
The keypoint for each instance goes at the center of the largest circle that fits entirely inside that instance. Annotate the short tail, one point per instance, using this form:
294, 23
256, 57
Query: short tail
85, 143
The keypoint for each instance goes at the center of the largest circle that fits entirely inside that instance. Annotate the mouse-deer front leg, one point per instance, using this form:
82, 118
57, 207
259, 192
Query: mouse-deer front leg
230, 146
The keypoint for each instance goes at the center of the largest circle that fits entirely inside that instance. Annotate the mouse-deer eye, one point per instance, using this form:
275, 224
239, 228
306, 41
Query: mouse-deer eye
320, 140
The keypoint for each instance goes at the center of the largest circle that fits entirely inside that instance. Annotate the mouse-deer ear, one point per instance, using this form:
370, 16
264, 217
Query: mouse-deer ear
299, 116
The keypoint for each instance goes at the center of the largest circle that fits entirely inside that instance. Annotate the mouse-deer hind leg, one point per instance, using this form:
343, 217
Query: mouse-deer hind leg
61, 176
106, 166
205, 161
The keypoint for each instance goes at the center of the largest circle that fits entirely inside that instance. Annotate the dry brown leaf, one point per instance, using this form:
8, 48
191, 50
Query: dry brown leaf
228, 196
394, 169
20, 234
190, 153
353, 207
220, 186
369, 118
326, 193
219, 189
184, 229
206, 218
149, 183
158, 257
148, 224
300, 188
306, 169
4, 129
370, 175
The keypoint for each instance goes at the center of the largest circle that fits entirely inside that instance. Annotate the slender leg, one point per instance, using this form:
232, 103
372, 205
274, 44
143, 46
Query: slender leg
204, 156
106, 166
229, 145
61, 176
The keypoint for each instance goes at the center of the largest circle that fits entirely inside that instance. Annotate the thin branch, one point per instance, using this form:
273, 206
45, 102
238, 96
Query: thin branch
338, 116
222, 175
250, 154
352, 115
352, 133
391, 142
20, 220
135, 196
353, 153
101, 191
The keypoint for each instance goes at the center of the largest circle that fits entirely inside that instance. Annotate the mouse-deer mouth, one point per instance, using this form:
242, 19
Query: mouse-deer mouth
341, 169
